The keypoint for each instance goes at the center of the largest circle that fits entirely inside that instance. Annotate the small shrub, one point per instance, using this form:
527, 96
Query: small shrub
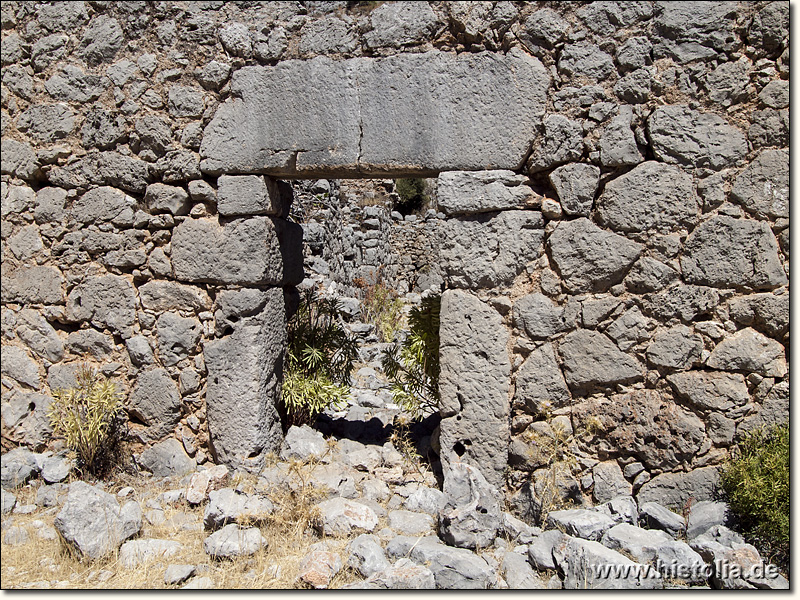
380, 306
413, 367
88, 418
756, 483
319, 360
413, 196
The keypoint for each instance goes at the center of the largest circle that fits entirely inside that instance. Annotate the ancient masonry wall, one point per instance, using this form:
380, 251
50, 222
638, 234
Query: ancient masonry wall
615, 252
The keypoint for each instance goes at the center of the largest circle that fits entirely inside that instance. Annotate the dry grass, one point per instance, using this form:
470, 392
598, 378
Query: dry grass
290, 531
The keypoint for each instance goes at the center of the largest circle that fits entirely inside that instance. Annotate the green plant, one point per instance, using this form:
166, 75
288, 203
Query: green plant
413, 196
381, 307
413, 367
756, 483
87, 416
320, 357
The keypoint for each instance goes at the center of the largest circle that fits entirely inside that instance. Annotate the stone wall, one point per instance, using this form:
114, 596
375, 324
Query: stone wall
614, 177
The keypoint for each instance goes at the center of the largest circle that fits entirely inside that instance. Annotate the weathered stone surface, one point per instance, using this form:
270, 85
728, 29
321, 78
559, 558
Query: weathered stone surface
239, 195
576, 185
471, 192
232, 305
650, 275
621, 509
33, 285
162, 198
103, 204
683, 136
232, 541
177, 574
749, 351
399, 24
591, 359
728, 252
243, 421
328, 35
539, 317
18, 466
579, 560
518, 573
49, 206
90, 341
56, 469
16, 198
105, 301
9, 501
303, 442
341, 127
477, 252
540, 385
229, 506
473, 384
704, 515
204, 481
653, 197
137, 553
544, 27
686, 302
675, 489
101, 40
582, 523
366, 555
609, 482
139, 350
471, 516
177, 337
675, 348
18, 159
70, 83
318, 567
93, 523
769, 128
156, 403
654, 516
160, 295
561, 141
631, 328
256, 250
39, 335
630, 420
166, 459
406, 522
710, 24
47, 123
585, 61
403, 575
763, 187
775, 94
339, 517
729, 83
588, 258
540, 551
768, 313
708, 390
24, 414
617, 143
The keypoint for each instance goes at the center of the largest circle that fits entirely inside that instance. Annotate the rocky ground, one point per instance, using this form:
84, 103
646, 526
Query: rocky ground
358, 507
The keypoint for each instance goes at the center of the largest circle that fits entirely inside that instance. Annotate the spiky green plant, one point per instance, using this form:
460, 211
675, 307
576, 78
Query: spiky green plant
413, 367
87, 417
320, 358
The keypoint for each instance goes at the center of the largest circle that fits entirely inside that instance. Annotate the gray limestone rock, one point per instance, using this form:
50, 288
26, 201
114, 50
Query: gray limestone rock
213, 74
471, 516
591, 359
708, 390
251, 195
105, 301
177, 337
728, 252
650, 275
686, 302
39, 335
406, 522
775, 94
631, 328
154, 133
185, 101
768, 313
350, 96
403, 575
49, 205
160, 295
622, 509
770, 27
177, 574
582, 60
18, 466
9, 501
93, 523
749, 351
540, 551
242, 387
769, 128
706, 514
101, 41
138, 553
544, 27
477, 252
229, 506
232, 305
617, 143
70, 83
56, 469
328, 35
588, 258
366, 555
256, 250
103, 204
540, 385
579, 522
580, 561
519, 574
576, 185
156, 403
675, 489
763, 187
170, 199
707, 24
398, 24
139, 350
630, 420
302, 443
474, 384
683, 136
471, 192
47, 123
33, 285
339, 517
26, 243
609, 482
653, 197
18, 159
729, 83
539, 317
236, 39
654, 516
675, 348
232, 541
562, 141
635, 53
166, 459
102, 129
